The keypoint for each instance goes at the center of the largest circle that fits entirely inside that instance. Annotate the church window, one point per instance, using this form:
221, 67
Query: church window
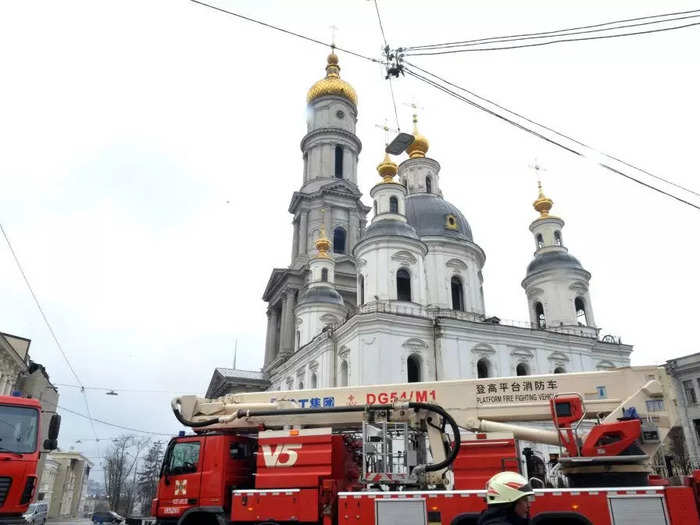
413, 369
301, 385
324, 275
339, 240
314, 380
298, 340
428, 185
343, 373
403, 285
393, 205
375, 207
540, 241
580, 311
483, 368
457, 294
557, 238
560, 370
522, 369
451, 222
539, 315
362, 289
338, 162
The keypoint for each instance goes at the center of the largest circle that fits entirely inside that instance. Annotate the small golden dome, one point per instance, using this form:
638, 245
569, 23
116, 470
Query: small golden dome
542, 204
387, 169
419, 146
332, 84
323, 244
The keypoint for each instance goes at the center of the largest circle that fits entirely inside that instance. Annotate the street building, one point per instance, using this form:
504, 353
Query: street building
64, 483
685, 374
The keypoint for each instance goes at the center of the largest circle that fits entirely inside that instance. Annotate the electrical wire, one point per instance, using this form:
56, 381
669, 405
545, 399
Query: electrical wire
386, 51
48, 325
539, 44
543, 137
107, 423
381, 26
107, 389
283, 30
567, 137
552, 33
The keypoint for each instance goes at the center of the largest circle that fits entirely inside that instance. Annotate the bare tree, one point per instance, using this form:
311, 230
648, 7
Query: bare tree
120, 468
147, 482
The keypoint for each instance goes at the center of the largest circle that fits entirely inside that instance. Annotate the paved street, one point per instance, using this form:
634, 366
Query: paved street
81, 521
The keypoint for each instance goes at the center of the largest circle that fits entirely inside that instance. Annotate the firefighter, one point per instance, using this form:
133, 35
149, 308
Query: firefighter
508, 498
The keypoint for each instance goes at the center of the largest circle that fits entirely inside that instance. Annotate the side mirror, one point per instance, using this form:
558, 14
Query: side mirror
54, 426
50, 444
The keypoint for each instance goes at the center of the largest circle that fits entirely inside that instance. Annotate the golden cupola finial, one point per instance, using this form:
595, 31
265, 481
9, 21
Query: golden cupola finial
387, 169
332, 84
542, 204
419, 146
323, 245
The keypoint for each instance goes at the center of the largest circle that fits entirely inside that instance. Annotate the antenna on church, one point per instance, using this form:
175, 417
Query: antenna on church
333, 29
386, 129
538, 169
235, 353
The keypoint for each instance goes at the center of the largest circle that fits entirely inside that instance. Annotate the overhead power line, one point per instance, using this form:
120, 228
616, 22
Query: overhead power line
549, 42
117, 389
109, 424
551, 140
283, 30
48, 325
387, 53
664, 17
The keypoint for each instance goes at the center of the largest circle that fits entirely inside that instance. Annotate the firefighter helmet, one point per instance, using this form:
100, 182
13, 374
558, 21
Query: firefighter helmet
507, 487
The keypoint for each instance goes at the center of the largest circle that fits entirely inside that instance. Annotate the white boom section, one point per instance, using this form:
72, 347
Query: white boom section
473, 403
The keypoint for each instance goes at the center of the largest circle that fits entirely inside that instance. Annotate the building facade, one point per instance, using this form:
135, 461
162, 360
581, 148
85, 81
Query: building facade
14, 360
685, 374
63, 483
401, 298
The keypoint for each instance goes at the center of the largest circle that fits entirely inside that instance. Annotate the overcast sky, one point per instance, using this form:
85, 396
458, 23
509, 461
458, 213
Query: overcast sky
149, 150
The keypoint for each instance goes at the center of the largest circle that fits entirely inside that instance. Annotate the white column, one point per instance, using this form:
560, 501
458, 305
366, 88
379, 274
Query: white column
303, 232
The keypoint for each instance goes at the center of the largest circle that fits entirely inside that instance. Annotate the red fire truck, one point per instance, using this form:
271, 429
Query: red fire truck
420, 453
19, 454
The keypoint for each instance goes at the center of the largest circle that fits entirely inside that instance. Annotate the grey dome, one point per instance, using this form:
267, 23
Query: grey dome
552, 260
389, 227
427, 213
321, 294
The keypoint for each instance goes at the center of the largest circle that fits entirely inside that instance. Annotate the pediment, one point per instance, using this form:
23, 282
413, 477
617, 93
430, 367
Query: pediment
415, 344
522, 353
558, 356
456, 264
404, 257
483, 349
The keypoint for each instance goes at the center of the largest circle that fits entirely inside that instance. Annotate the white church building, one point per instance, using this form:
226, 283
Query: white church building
401, 298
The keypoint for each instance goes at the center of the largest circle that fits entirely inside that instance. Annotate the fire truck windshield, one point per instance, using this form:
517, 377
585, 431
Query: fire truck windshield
18, 429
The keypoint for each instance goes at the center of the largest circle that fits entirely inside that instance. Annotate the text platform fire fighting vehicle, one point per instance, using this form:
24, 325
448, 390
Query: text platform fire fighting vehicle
420, 453
19, 454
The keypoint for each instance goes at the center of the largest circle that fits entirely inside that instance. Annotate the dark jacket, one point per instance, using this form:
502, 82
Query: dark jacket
501, 516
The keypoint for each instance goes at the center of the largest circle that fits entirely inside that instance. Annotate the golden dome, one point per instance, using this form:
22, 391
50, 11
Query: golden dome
332, 84
542, 204
387, 169
323, 244
419, 146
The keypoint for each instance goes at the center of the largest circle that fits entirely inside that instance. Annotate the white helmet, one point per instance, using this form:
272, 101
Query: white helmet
507, 487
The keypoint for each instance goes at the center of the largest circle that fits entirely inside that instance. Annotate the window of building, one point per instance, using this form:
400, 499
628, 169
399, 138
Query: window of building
413, 369
540, 241
375, 207
483, 368
557, 237
560, 370
428, 185
451, 222
457, 294
343, 373
297, 344
362, 289
655, 405
696, 424
393, 205
338, 162
403, 285
314, 380
324, 275
339, 240
301, 385
522, 369
580, 311
690, 395
539, 315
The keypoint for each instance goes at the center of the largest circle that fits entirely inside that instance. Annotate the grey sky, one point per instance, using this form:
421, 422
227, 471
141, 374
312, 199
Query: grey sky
149, 150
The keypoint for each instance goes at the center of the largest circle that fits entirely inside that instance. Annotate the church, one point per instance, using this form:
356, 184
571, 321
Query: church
393, 292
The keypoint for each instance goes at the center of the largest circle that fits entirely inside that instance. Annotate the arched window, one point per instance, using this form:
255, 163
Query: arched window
344, 373
413, 369
428, 185
339, 240
375, 207
403, 285
522, 369
580, 311
314, 380
324, 275
297, 340
560, 370
539, 315
540, 241
301, 385
338, 162
362, 289
457, 294
557, 237
393, 205
483, 368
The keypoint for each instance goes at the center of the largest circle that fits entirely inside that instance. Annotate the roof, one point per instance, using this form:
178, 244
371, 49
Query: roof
321, 294
428, 214
235, 372
553, 260
390, 227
